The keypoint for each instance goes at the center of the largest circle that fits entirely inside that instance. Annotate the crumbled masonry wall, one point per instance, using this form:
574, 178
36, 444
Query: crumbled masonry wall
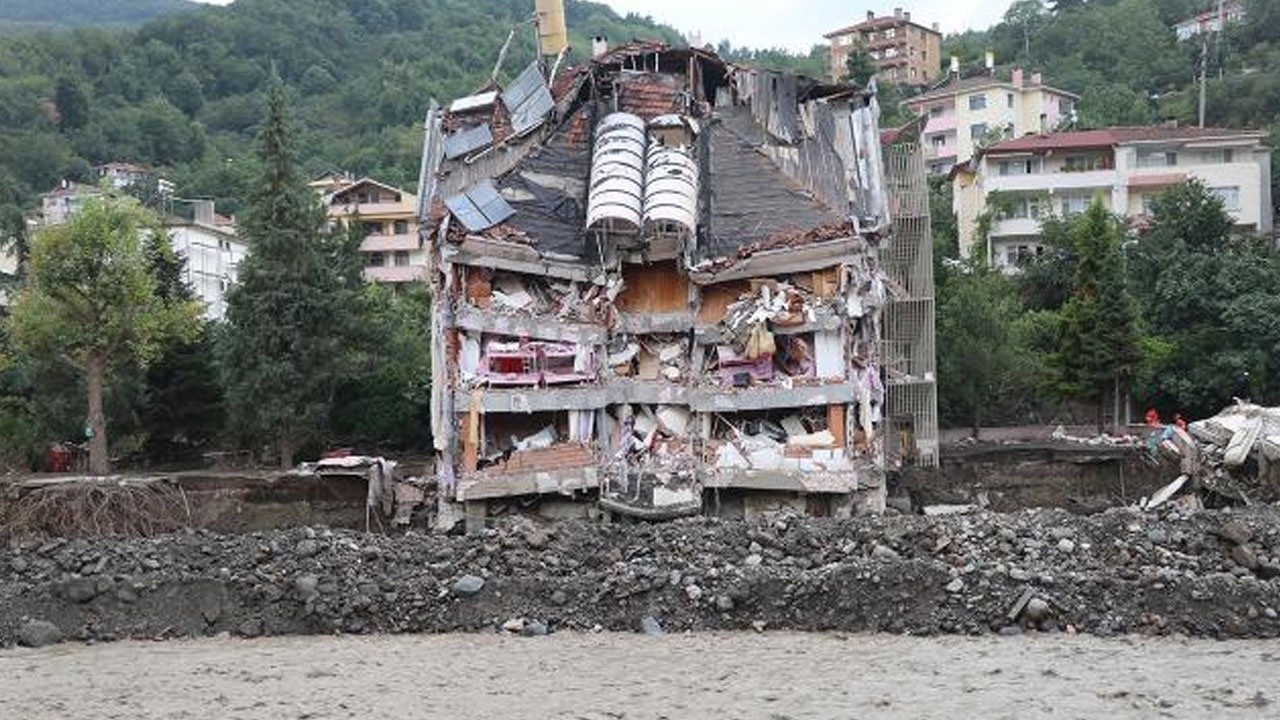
1207, 574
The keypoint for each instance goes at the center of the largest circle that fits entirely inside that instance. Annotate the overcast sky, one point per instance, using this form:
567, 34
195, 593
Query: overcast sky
795, 24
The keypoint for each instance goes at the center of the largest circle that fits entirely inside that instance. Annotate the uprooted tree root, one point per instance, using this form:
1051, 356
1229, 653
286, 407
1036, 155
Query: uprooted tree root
95, 509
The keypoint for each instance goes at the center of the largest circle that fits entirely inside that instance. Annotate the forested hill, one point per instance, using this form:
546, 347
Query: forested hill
27, 15
185, 92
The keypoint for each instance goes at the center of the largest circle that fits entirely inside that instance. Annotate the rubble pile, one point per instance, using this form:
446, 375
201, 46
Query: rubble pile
1238, 457
1212, 574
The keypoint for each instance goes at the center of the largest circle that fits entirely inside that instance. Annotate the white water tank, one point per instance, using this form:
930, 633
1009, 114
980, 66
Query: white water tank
671, 184
616, 195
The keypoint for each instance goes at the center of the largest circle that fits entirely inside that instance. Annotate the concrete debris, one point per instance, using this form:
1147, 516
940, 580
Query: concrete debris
1130, 572
1232, 458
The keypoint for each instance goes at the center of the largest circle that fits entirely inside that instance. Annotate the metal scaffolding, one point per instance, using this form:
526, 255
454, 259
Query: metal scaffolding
908, 330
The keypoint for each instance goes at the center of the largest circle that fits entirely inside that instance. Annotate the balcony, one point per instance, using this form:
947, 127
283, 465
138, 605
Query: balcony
1016, 226
1088, 180
402, 209
390, 243
395, 273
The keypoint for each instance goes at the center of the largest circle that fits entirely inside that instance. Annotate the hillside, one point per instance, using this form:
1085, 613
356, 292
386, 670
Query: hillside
185, 91
28, 15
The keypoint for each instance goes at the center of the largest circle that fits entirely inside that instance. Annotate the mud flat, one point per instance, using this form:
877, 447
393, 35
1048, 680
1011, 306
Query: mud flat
610, 675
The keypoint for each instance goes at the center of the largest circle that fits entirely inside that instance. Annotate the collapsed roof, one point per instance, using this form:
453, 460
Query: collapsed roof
767, 160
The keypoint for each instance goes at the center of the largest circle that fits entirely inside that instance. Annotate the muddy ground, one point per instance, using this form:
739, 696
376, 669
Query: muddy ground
1206, 574
764, 676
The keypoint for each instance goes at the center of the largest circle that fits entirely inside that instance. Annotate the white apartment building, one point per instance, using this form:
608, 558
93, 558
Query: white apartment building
1060, 174
213, 253
962, 112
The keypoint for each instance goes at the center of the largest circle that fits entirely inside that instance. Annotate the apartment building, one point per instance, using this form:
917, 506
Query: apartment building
206, 240
1060, 174
905, 51
392, 251
660, 290
213, 253
964, 113
1212, 20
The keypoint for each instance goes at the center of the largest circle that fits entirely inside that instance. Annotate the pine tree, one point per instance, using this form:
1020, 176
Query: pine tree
288, 314
1098, 353
183, 404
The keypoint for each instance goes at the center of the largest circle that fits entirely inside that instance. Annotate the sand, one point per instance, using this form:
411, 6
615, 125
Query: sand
771, 676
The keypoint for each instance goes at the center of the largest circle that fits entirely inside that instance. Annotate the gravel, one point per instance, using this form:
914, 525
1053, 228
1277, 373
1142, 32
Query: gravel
1207, 574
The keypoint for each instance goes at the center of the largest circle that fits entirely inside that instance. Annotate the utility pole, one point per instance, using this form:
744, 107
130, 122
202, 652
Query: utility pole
1204, 54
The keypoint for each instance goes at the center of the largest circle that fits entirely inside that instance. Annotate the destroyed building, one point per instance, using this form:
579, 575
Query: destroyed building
669, 285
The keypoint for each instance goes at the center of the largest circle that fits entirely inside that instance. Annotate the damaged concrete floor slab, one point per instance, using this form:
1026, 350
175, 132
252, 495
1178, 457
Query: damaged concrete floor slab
609, 675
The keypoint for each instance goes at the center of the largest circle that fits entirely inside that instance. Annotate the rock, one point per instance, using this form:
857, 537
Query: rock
250, 628
306, 548
955, 586
80, 590
38, 633
1011, 630
514, 625
752, 560
1270, 613
534, 628
305, 586
559, 598
1234, 532
1268, 571
650, 626
536, 538
758, 625
1036, 611
1244, 557
883, 552
1066, 546
126, 594
467, 585
19, 564
724, 603
693, 591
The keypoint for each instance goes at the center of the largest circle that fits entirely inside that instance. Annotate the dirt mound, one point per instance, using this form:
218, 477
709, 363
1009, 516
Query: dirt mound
1205, 574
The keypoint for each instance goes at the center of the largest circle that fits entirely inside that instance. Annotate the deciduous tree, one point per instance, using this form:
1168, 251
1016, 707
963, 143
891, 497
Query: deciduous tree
91, 301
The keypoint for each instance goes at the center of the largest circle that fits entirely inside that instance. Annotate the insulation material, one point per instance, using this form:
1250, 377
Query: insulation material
582, 425
544, 438
828, 351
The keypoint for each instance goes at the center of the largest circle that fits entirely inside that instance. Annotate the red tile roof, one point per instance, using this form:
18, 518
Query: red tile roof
1109, 137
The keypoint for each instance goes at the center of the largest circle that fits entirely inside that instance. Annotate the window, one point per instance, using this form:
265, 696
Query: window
924, 54
1083, 163
977, 131
938, 140
913, 73
1026, 166
1148, 204
891, 52
1009, 99
1024, 207
890, 33
402, 227
402, 258
977, 102
936, 111
1074, 204
913, 52
1148, 159
1230, 197
1066, 106
1219, 157
375, 259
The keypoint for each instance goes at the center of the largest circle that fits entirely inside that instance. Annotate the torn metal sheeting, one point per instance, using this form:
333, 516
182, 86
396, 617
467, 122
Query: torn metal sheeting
480, 207
528, 100
467, 141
